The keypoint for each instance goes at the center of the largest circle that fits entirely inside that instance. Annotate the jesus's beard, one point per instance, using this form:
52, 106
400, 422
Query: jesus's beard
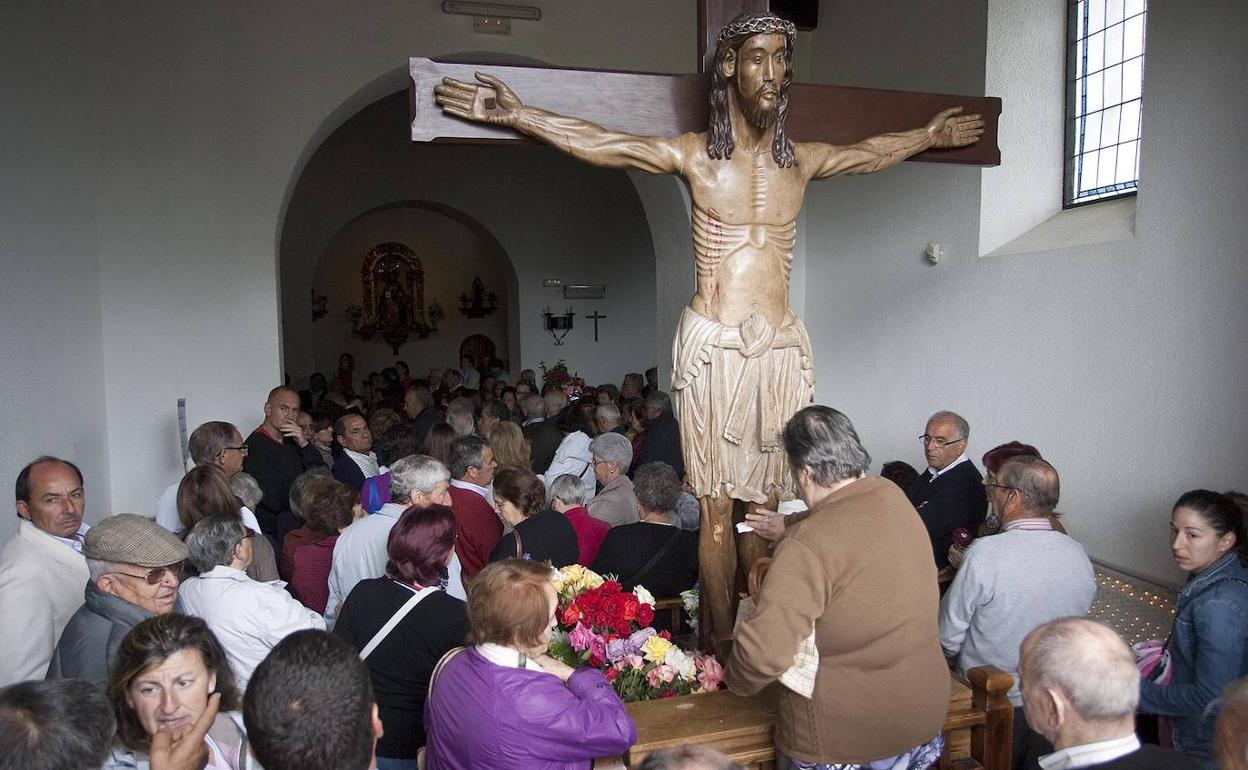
760, 112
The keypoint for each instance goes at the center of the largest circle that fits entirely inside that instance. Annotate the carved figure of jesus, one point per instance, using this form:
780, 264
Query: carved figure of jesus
742, 362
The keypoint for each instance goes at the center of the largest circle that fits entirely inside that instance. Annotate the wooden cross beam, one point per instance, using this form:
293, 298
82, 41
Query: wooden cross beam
668, 105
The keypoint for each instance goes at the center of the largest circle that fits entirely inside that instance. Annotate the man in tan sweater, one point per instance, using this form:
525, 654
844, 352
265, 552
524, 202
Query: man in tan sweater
859, 571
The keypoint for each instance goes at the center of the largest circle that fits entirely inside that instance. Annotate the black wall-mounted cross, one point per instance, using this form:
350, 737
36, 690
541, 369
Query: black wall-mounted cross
596, 317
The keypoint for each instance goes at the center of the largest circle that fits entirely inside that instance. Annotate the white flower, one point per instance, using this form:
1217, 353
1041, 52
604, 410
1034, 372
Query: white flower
682, 662
643, 596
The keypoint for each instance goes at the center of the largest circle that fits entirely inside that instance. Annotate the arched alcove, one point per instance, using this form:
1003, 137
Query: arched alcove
446, 251
551, 216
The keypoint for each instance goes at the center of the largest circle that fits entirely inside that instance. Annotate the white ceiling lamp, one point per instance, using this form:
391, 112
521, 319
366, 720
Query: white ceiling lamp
492, 18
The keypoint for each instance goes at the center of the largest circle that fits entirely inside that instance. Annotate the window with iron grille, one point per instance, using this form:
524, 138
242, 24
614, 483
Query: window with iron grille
1105, 78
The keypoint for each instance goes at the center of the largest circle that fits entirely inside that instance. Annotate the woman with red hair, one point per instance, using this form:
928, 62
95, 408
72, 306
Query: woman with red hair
403, 623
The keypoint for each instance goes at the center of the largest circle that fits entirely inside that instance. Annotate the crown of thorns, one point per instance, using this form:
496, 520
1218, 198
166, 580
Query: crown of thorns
756, 25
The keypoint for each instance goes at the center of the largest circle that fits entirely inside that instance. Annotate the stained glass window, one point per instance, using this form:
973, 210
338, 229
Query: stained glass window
1105, 69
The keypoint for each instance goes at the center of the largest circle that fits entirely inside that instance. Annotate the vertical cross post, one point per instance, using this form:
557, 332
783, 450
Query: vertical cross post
596, 317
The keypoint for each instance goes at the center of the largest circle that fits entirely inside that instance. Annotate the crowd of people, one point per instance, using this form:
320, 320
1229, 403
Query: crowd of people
413, 524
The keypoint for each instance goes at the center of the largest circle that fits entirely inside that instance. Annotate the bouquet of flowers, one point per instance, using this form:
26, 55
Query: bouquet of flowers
602, 626
557, 374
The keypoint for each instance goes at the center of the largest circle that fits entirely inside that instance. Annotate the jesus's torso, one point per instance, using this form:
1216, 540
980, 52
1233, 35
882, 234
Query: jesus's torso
744, 214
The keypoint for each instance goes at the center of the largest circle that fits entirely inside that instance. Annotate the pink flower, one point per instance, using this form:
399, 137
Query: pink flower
581, 638
710, 672
659, 675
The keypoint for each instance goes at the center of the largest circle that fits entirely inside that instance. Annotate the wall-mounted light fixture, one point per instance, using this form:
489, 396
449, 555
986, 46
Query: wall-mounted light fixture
558, 325
492, 18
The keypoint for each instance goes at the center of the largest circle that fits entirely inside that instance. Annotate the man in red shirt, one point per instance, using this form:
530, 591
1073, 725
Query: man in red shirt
477, 526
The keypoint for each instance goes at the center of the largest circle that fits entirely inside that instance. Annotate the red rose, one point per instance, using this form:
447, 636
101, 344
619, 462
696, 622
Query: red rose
611, 587
630, 607
666, 635
668, 694
570, 615
612, 674
645, 615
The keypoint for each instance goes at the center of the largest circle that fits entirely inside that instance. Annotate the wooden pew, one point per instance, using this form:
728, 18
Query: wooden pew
977, 728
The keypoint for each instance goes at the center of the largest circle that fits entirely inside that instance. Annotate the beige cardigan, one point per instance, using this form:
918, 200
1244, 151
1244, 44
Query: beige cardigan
859, 570
41, 586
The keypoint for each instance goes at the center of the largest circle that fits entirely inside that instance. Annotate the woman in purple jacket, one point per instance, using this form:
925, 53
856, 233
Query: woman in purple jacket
503, 702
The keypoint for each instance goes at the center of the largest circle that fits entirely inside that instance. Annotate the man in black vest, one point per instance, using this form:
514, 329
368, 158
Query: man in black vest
950, 493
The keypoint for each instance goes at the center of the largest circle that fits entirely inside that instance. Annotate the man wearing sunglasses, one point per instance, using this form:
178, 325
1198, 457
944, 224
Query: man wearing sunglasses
135, 567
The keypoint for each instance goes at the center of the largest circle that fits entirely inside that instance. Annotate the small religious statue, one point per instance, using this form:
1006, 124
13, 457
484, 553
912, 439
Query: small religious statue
742, 359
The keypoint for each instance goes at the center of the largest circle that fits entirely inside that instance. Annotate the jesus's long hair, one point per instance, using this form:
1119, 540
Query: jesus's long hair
719, 141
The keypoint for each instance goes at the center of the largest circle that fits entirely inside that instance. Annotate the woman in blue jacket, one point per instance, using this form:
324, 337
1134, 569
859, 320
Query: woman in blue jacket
1209, 642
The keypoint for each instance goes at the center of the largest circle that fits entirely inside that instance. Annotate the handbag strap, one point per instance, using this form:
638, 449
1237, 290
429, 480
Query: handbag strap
394, 620
515, 535
433, 678
658, 555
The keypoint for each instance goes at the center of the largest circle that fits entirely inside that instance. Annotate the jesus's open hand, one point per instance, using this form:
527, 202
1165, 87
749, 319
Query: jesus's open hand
492, 103
952, 129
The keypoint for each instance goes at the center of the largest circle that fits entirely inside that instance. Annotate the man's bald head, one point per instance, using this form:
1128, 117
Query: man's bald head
1087, 662
1035, 480
280, 408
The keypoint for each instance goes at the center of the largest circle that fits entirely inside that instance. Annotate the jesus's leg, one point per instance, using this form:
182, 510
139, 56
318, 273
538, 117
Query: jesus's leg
751, 547
717, 562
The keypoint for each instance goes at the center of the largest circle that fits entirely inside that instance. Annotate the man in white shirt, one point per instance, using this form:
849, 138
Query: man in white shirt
42, 570
360, 553
213, 443
1080, 691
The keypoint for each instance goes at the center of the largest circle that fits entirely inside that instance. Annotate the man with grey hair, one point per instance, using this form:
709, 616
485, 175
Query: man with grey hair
135, 566
616, 504
662, 442
360, 554
1080, 691
949, 495
247, 616
653, 552
212, 443
542, 434
1014, 581
608, 418
688, 757
477, 525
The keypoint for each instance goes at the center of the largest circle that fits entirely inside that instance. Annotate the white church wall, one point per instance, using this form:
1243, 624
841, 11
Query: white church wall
553, 217
450, 254
209, 108
51, 392
1123, 362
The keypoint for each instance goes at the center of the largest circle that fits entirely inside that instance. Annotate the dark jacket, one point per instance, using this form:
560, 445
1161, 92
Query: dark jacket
545, 536
544, 439
428, 417
955, 499
346, 471
275, 466
1149, 757
628, 548
402, 664
662, 444
92, 636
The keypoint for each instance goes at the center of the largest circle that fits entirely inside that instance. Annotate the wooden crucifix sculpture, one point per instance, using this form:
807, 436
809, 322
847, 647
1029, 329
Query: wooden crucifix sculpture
742, 360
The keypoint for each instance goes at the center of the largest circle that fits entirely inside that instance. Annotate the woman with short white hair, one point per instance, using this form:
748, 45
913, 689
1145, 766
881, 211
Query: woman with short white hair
248, 617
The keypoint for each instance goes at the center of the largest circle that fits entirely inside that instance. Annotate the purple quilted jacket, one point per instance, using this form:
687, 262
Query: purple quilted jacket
481, 715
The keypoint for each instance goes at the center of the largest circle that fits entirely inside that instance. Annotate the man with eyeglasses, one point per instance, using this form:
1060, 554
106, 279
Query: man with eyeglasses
949, 494
213, 443
135, 566
41, 568
1012, 582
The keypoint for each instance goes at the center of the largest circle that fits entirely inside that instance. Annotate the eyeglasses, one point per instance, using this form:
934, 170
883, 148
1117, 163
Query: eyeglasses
241, 449
156, 574
938, 442
1001, 486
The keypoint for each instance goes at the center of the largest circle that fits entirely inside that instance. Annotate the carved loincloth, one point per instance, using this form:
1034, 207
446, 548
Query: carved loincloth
735, 388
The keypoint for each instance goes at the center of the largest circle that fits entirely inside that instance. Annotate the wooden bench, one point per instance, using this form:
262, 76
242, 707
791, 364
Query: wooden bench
977, 728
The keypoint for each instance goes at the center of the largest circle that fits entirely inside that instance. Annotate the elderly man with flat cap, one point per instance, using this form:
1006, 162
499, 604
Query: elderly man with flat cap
135, 567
